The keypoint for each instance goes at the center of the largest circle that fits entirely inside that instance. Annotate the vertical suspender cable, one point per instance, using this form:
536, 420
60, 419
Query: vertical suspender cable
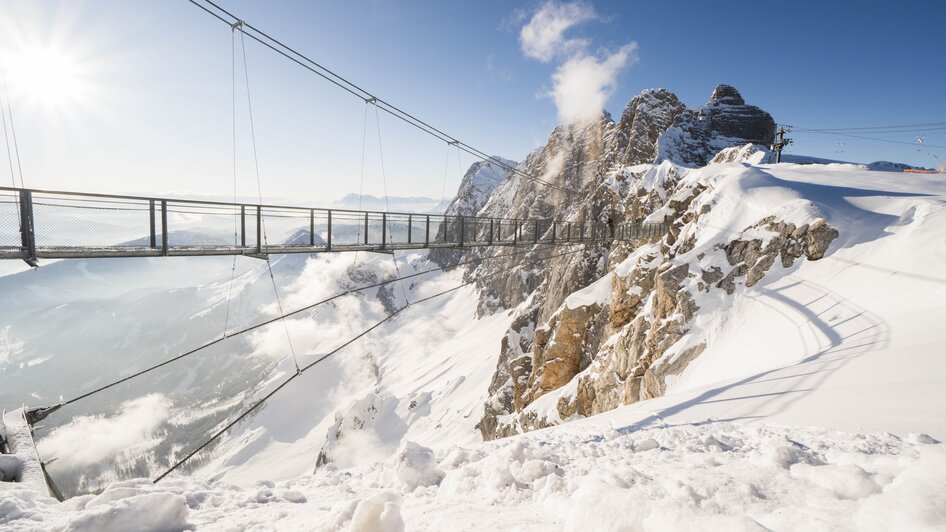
226, 321
16, 146
387, 205
259, 188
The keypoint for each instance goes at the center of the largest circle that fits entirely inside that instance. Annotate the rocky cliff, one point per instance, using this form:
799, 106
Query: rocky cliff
596, 325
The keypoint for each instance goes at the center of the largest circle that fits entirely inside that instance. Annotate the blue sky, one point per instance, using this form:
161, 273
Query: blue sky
150, 110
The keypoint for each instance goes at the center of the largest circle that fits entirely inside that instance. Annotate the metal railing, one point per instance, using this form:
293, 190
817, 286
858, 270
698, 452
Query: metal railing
38, 224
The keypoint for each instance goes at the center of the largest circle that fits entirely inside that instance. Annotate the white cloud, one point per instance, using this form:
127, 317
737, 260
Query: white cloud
583, 82
582, 85
543, 37
88, 440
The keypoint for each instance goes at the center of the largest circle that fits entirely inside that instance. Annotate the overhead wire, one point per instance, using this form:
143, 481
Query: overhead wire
334, 351
287, 315
357, 91
259, 188
226, 321
387, 205
849, 135
934, 125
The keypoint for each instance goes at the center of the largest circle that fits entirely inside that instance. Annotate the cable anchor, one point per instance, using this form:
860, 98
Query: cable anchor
238, 25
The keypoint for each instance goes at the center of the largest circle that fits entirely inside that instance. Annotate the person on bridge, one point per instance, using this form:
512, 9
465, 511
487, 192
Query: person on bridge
610, 223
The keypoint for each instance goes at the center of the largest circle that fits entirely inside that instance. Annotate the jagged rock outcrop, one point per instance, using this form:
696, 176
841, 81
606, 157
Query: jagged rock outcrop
627, 170
726, 120
479, 181
476, 187
647, 318
645, 118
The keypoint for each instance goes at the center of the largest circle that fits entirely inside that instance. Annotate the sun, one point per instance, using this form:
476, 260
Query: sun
48, 76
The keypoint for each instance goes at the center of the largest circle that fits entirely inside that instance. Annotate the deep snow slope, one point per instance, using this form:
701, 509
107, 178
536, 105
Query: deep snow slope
851, 339
818, 402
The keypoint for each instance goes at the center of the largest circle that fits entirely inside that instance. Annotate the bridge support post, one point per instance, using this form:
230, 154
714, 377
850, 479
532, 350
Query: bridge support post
535, 229
462, 230
154, 237
164, 228
554, 227
491, 231
384, 229
329, 233
427, 232
27, 227
515, 232
366, 229
410, 228
243, 226
312, 227
259, 229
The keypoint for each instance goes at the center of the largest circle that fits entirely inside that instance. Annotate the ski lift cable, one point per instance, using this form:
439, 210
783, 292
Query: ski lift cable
803, 130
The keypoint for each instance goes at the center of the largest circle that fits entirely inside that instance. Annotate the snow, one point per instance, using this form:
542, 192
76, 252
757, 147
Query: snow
600, 476
597, 293
818, 404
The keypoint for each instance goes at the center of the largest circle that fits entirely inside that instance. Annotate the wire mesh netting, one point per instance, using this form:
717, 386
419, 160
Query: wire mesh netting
9, 221
70, 222
76, 224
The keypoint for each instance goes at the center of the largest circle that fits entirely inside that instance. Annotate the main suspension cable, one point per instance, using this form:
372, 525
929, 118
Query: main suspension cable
350, 87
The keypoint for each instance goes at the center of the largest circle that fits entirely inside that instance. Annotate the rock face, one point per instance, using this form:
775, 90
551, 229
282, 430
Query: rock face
479, 181
645, 118
697, 135
620, 349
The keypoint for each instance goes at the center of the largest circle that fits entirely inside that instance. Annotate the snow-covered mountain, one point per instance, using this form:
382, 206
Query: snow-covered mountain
771, 363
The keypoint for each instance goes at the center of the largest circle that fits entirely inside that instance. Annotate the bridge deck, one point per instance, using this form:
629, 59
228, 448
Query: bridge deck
37, 224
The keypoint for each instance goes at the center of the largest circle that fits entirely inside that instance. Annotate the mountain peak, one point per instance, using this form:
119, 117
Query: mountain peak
727, 94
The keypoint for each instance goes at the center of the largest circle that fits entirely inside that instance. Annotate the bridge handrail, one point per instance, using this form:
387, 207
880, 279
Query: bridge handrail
63, 224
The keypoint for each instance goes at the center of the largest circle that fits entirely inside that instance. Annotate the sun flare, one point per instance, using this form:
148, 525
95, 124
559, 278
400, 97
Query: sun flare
47, 76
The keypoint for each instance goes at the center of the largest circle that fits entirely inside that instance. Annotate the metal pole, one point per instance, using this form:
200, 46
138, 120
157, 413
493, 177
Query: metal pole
154, 239
243, 225
553, 231
164, 228
427, 232
499, 230
410, 220
515, 232
27, 228
491, 231
384, 229
462, 230
329, 234
259, 229
366, 229
535, 229
312, 227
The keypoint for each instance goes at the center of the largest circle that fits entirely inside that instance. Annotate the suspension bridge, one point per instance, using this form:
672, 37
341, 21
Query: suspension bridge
50, 224
42, 224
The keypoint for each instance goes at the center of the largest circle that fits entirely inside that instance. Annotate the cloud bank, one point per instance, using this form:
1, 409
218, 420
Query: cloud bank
583, 81
88, 440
